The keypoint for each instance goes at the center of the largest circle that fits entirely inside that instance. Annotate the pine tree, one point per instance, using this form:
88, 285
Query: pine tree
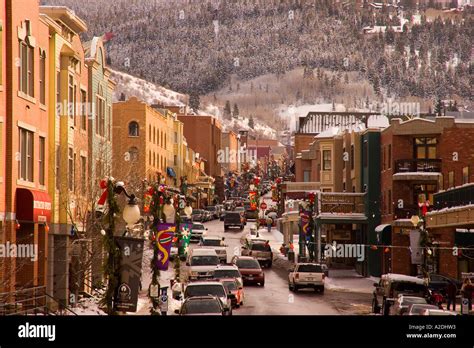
251, 122
227, 111
438, 108
194, 101
122, 97
367, 104
235, 113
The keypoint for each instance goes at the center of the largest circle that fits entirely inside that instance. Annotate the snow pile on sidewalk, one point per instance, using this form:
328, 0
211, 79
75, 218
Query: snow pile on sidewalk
348, 280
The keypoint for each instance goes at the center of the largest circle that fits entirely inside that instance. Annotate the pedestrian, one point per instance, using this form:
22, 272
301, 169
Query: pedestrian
291, 246
283, 249
451, 292
269, 224
466, 290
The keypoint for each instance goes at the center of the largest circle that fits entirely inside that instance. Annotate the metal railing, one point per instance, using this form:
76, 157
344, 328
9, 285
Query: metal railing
418, 165
454, 197
342, 203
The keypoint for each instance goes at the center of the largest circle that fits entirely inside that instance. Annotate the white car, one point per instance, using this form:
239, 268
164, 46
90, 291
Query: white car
216, 243
228, 271
210, 288
202, 262
197, 232
306, 275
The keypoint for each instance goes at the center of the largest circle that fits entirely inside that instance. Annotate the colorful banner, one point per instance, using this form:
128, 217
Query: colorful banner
305, 224
186, 229
164, 240
253, 200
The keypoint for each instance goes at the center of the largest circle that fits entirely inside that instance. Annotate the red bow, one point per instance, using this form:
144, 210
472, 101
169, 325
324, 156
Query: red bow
103, 197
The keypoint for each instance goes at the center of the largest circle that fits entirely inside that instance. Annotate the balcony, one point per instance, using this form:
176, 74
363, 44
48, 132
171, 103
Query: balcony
453, 208
406, 212
416, 169
336, 207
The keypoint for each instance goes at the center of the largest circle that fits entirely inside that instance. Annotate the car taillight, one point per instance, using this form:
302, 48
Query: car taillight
297, 276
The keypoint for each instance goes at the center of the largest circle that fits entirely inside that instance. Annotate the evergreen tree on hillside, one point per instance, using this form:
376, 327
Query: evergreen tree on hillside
235, 112
227, 111
438, 108
194, 101
251, 122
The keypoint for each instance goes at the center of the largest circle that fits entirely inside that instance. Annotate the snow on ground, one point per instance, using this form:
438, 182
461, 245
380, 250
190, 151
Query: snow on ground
144, 90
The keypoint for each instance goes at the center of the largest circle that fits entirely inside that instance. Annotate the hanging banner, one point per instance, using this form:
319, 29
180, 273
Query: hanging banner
305, 226
126, 293
185, 229
253, 200
274, 194
164, 240
416, 255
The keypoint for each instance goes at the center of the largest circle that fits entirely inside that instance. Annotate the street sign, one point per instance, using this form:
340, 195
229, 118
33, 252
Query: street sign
263, 205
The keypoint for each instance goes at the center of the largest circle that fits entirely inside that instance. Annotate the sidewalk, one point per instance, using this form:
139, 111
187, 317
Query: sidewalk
344, 280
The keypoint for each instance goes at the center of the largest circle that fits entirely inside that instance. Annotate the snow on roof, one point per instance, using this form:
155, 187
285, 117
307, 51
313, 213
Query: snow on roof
403, 278
330, 132
144, 90
93, 47
429, 174
452, 209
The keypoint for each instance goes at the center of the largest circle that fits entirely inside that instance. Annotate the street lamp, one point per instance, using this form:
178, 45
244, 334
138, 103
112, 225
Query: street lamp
131, 212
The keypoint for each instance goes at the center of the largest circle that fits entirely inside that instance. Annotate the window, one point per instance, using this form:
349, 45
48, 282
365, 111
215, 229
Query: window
425, 148
154, 138
175, 137
389, 158
465, 175
42, 77
26, 69
133, 129
451, 179
74, 172
71, 98
352, 157
389, 201
154, 159
149, 158
71, 169
306, 175
326, 160
26, 155
83, 109
84, 174
58, 167
133, 151
41, 160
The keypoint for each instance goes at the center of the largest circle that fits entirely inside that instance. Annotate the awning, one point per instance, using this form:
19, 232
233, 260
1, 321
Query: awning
33, 206
170, 172
380, 228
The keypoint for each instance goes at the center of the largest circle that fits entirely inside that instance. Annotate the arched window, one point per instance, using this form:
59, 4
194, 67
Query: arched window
133, 129
133, 151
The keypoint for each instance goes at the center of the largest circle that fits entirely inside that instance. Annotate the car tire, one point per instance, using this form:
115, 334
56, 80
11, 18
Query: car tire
262, 284
291, 287
321, 290
375, 306
295, 288
269, 264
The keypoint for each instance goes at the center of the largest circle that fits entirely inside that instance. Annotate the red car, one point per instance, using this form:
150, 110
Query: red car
250, 269
233, 287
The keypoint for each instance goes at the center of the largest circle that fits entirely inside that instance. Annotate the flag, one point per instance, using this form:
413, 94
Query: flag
164, 240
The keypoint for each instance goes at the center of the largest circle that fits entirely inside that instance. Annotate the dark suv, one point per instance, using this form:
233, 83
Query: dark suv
232, 219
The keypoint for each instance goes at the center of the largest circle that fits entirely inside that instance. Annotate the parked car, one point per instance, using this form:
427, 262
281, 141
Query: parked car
234, 288
198, 215
232, 219
210, 288
220, 209
251, 214
202, 305
436, 312
250, 269
213, 211
198, 230
391, 285
260, 251
403, 302
417, 308
202, 263
228, 271
306, 275
216, 243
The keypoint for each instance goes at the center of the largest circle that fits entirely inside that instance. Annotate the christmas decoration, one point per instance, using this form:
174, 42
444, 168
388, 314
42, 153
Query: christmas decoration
163, 242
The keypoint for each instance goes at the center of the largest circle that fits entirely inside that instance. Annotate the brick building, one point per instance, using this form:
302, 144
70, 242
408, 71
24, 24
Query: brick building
420, 157
3, 113
25, 84
203, 134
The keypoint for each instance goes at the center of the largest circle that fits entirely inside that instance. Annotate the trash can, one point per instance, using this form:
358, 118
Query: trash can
291, 256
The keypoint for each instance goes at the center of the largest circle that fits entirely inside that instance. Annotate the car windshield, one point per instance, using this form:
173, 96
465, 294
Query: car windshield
205, 290
408, 300
407, 287
246, 263
417, 309
201, 306
204, 260
211, 242
227, 273
260, 247
198, 227
230, 286
310, 268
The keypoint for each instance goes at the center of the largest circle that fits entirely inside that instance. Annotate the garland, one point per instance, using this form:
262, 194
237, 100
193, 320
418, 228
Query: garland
111, 269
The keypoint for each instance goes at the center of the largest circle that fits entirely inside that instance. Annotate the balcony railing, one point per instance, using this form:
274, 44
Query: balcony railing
454, 197
418, 165
342, 203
